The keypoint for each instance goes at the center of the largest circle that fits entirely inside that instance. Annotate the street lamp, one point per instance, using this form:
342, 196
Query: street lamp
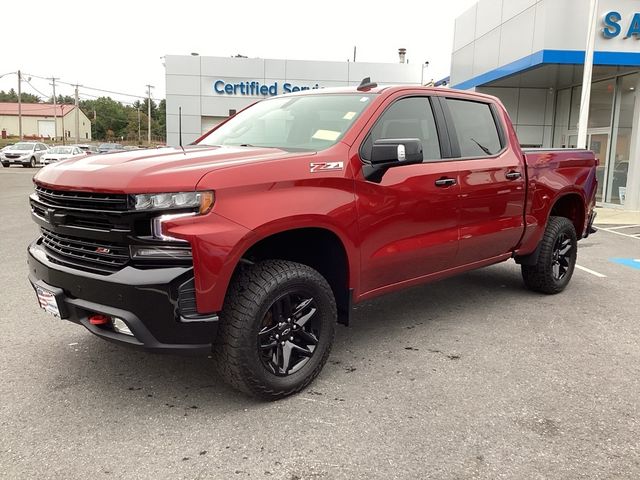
424, 65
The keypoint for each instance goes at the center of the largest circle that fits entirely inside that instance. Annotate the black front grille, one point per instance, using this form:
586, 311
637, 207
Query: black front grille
83, 200
84, 254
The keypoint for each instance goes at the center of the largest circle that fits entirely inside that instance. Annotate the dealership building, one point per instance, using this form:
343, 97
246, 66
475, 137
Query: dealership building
531, 53
209, 89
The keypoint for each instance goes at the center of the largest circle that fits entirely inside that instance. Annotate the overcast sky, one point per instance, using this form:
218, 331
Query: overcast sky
119, 45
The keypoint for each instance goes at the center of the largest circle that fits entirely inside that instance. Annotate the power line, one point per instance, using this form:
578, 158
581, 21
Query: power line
113, 92
44, 95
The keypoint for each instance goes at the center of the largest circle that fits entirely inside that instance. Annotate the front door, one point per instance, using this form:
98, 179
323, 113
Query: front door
408, 220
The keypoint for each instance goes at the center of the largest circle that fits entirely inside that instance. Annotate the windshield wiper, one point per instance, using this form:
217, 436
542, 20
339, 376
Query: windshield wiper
484, 149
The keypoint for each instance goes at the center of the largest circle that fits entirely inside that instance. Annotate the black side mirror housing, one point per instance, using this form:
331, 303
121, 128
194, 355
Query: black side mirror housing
400, 151
392, 152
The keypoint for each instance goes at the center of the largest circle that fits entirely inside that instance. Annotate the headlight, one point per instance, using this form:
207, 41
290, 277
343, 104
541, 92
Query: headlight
161, 252
203, 201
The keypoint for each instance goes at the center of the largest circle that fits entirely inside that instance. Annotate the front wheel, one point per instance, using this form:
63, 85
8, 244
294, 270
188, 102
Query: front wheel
6, 164
556, 260
276, 328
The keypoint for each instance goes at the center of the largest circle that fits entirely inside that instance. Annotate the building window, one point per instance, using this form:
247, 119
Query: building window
619, 161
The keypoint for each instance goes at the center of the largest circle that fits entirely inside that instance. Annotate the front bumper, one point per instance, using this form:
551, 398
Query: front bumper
16, 161
148, 300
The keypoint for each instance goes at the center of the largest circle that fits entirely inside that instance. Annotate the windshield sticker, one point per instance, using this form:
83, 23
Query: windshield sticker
349, 115
364, 99
325, 166
329, 135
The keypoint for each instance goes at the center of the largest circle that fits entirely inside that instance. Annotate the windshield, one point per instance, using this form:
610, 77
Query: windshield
61, 150
312, 122
23, 146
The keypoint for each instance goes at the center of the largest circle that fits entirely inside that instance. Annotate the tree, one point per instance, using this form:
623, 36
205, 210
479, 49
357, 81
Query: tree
63, 100
12, 96
108, 117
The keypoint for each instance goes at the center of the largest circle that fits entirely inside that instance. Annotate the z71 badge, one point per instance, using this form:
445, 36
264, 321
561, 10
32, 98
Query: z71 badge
325, 166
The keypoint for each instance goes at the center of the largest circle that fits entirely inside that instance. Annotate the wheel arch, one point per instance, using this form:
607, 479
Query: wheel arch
570, 205
320, 248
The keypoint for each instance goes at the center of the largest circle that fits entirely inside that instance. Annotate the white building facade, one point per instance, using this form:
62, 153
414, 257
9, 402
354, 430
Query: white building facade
209, 89
530, 54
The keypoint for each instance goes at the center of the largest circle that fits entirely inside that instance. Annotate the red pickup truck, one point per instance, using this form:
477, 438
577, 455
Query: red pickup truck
253, 242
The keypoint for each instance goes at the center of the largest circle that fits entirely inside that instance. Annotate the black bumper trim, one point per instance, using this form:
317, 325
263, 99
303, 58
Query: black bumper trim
145, 299
78, 311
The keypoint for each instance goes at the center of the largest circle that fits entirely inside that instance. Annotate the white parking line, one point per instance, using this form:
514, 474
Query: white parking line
623, 226
592, 272
619, 233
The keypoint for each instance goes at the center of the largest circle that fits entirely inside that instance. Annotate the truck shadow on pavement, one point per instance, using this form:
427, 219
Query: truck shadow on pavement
187, 384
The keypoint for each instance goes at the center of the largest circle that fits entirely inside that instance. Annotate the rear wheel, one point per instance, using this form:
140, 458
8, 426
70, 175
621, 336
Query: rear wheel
276, 329
556, 260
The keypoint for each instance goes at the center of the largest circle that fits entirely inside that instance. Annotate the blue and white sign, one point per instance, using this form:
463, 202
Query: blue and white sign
256, 88
613, 25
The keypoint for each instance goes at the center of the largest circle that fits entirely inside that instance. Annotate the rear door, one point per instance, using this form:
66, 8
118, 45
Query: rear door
408, 219
492, 180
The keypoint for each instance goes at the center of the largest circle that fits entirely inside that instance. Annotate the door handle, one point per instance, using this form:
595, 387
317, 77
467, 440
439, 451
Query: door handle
445, 182
513, 175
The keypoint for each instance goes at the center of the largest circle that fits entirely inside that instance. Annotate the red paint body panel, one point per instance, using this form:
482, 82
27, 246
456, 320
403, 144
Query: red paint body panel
396, 233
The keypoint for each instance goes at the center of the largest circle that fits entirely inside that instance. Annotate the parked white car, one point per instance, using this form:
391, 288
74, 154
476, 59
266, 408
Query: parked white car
56, 154
27, 154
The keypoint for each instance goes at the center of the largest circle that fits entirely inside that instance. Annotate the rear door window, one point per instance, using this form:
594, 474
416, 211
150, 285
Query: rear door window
475, 127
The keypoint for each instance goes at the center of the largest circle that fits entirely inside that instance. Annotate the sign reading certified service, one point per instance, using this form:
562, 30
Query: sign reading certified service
613, 24
256, 88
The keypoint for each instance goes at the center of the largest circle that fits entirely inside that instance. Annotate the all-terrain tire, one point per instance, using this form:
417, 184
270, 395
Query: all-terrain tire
251, 298
556, 260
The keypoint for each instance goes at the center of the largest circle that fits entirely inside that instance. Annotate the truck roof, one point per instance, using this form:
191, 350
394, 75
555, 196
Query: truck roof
386, 89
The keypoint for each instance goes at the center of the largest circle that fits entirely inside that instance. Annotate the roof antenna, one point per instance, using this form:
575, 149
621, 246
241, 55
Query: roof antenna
366, 84
180, 128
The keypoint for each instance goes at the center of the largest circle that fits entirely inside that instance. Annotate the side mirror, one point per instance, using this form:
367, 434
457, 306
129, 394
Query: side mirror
396, 151
392, 152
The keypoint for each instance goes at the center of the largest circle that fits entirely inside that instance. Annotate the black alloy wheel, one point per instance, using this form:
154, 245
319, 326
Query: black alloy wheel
276, 328
290, 333
556, 258
561, 257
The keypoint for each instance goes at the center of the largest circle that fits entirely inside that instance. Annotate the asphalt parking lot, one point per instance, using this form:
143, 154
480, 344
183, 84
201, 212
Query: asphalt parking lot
472, 377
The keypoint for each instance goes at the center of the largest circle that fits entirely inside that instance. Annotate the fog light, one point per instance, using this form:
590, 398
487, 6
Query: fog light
120, 327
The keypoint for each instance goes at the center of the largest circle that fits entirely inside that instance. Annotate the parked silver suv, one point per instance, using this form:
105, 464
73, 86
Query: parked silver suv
26, 154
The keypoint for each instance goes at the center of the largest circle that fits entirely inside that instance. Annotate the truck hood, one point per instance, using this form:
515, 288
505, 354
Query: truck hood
152, 170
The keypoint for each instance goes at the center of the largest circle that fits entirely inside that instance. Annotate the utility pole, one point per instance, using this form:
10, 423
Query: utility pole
149, 87
64, 134
77, 103
585, 97
55, 109
139, 139
20, 104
